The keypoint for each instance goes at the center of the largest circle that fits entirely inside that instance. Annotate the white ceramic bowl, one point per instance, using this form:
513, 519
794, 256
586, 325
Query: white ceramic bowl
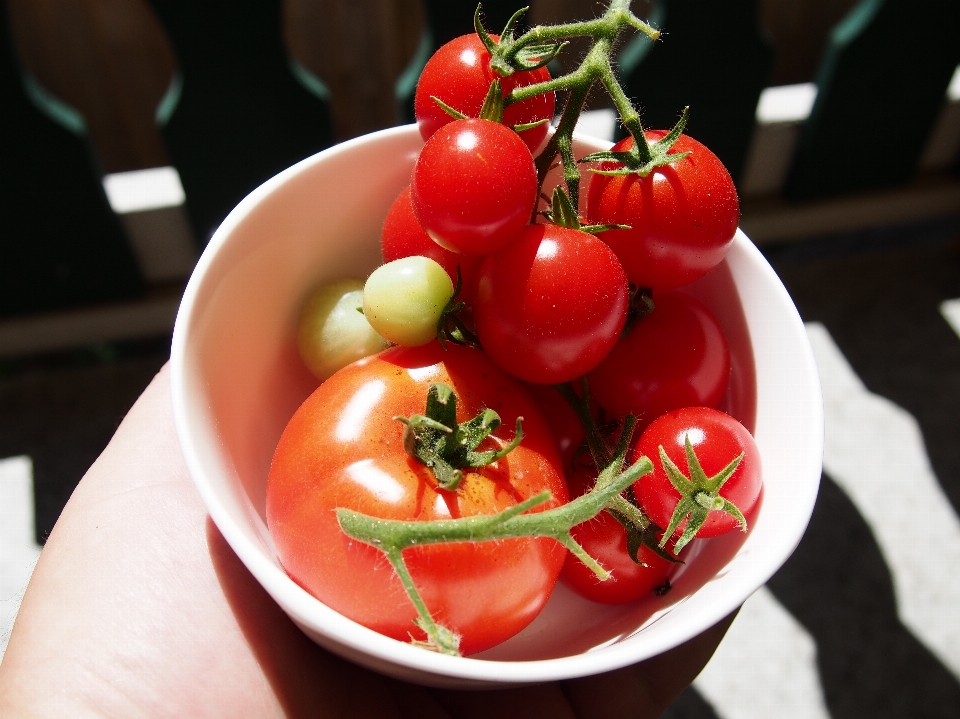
237, 379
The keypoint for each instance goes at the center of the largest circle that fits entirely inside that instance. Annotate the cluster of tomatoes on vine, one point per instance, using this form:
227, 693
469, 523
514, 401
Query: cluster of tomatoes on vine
544, 297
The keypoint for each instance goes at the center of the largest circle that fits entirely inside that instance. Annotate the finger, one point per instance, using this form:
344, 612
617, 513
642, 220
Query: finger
301, 677
138, 607
645, 690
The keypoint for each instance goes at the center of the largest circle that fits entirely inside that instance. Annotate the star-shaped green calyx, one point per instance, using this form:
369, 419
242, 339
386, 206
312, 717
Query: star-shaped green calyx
644, 157
446, 446
699, 494
507, 56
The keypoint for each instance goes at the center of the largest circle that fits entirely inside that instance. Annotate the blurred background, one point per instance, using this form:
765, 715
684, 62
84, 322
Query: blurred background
130, 128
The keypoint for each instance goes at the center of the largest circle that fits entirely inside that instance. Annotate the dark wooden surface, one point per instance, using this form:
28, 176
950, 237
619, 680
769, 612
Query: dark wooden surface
112, 61
714, 59
60, 244
880, 90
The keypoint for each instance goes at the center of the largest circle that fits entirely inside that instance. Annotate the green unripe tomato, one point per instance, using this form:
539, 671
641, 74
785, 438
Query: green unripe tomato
403, 299
332, 332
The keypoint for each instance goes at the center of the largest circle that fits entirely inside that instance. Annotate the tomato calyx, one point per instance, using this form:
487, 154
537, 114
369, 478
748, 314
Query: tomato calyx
446, 446
492, 109
507, 56
641, 305
644, 157
563, 214
699, 494
641, 532
450, 327
392, 536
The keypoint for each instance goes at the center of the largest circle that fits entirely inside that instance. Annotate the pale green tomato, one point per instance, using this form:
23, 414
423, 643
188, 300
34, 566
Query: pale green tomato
332, 331
403, 299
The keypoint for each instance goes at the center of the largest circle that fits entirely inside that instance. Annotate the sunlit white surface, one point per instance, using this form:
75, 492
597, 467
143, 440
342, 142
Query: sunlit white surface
140, 190
786, 103
874, 450
953, 89
766, 666
950, 310
598, 123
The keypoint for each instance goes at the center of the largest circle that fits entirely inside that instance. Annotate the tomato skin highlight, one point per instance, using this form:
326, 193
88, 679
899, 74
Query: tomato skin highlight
459, 73
343, 448
474, 186
677, 356
605, 539
682, 216
717, 439
404, 236
551, 304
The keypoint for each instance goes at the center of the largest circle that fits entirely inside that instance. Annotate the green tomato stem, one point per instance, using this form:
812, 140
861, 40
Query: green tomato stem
439, 638
580, 404
616, 17
392, 536
699, 494
447, 446
595, 66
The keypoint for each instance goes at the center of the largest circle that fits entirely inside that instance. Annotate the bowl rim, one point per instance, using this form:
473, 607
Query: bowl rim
382, 653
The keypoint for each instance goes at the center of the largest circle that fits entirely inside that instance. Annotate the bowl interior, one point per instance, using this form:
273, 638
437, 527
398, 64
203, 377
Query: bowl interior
237, 379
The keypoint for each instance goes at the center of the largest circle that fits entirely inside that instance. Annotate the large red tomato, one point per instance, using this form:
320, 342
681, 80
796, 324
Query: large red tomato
551, 304
682, 216
459, 73
677, 356
343, 448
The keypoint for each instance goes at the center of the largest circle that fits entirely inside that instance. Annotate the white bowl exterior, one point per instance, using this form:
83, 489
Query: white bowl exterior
237, 379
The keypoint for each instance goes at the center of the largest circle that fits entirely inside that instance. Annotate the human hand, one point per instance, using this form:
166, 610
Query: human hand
139, 608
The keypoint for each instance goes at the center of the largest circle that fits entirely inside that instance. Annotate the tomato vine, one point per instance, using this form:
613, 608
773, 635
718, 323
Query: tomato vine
393, 536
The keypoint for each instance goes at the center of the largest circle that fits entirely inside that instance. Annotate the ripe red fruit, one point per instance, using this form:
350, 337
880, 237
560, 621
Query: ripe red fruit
682, 216
459, 73
474, 186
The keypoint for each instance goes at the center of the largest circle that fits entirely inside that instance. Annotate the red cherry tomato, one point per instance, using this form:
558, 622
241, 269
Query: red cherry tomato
474, 186
677, 356
605, 539
551, 304
404, 236
343, 448
682, 216
717, 439
563, 421
459, 73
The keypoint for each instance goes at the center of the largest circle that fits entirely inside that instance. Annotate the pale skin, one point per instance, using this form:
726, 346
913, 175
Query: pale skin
139, 608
